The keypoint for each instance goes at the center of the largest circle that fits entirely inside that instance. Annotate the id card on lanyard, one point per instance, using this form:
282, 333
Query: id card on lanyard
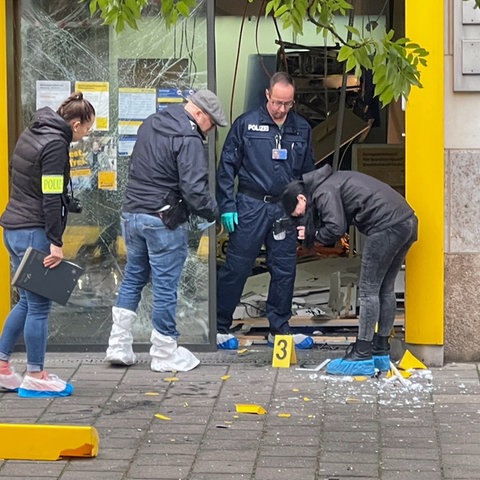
279, 153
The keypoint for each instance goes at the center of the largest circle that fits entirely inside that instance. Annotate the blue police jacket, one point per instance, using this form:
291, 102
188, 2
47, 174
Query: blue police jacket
249, 150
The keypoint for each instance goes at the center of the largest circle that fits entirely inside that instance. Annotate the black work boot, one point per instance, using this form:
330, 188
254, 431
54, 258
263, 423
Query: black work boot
381, 352
381, 345
360, 350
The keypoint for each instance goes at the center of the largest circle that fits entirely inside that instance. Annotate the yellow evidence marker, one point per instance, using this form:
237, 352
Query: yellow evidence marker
47, 442
283, 351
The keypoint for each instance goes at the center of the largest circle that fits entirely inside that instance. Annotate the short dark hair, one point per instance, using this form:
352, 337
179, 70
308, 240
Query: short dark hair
290, 194
281, 77
75, 106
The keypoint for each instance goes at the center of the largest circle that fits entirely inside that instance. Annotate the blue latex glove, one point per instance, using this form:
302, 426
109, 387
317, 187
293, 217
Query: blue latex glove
229, 220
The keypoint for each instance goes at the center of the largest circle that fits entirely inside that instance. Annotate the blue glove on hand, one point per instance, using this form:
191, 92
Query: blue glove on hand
229, 220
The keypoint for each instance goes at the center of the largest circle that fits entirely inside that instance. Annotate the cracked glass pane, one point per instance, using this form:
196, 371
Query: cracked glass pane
126, 76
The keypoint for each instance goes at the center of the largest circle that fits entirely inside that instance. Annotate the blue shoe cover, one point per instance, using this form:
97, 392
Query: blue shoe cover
340, 366
226, 341
382, 362
25, 393
302, 342
305, 344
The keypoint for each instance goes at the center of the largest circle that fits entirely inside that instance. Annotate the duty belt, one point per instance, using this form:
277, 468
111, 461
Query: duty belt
260, 196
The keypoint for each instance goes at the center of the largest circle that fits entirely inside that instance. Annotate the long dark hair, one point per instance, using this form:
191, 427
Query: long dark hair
290, 201
75, 106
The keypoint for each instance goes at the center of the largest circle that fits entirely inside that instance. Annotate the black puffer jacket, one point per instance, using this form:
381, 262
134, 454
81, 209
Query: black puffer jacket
41, 152
169, 155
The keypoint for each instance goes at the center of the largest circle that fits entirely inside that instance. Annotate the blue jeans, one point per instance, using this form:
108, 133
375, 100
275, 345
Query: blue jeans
30, 315
153, 252
382, 258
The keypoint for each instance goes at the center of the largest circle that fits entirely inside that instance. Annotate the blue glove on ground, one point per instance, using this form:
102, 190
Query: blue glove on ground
229, 220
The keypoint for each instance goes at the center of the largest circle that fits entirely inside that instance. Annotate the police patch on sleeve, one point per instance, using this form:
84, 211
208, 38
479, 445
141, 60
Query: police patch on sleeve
52, 184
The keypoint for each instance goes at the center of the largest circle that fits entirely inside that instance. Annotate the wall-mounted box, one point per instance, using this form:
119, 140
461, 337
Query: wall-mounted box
466, 53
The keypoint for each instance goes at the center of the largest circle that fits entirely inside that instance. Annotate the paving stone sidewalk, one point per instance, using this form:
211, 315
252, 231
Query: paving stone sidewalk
316, 427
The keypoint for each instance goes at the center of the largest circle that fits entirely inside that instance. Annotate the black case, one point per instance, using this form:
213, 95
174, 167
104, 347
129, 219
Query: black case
57, 283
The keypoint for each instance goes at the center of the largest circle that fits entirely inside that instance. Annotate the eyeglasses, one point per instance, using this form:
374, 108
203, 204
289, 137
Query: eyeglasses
278, 104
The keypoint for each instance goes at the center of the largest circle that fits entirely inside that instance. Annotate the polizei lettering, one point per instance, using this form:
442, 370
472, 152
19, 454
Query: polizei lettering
52, 184
258, 128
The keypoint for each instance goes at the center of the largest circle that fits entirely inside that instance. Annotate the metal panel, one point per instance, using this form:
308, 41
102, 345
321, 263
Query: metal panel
471, 57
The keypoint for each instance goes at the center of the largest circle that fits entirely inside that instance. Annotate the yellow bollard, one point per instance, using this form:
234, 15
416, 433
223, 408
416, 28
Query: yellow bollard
47, 442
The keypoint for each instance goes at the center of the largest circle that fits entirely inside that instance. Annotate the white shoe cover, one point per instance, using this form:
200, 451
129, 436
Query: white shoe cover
120, 351
167, 356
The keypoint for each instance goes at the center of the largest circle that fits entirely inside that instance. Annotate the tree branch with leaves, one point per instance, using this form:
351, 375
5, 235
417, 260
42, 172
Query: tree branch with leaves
395, 63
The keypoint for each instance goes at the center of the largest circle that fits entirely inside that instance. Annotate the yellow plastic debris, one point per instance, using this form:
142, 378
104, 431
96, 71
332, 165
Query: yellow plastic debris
225, 377
47, 442
162, 417
152, 394
171, 379
242, 351
250, 408
284, 415
203, 246
409, 361
306, 399
352, 400
403, 373
359, 378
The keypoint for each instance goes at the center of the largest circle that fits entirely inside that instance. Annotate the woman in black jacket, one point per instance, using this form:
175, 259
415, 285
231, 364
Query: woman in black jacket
333, 201
36, 216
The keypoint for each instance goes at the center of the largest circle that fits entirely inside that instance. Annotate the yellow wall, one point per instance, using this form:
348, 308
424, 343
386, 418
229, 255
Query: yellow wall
425, 178
4, 262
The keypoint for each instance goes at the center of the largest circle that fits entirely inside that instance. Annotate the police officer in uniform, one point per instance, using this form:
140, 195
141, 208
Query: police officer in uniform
265, 149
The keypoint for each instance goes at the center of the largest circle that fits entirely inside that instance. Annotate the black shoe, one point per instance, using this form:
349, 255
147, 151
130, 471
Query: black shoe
360, 350
380, 345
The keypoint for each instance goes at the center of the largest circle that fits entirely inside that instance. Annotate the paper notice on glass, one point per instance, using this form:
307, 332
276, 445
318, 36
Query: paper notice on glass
97, 93
51, 93
136, 103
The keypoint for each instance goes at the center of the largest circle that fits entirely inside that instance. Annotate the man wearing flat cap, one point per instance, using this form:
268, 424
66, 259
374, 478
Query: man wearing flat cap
167, 180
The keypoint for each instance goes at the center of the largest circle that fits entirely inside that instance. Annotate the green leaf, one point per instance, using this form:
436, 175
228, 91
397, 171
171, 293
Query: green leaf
281, 11
353, 30
183, 9
119, 25
134, 7
344, 52
351, 63
92, 7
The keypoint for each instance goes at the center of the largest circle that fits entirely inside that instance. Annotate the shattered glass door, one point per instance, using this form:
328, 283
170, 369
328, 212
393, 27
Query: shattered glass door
126, 76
